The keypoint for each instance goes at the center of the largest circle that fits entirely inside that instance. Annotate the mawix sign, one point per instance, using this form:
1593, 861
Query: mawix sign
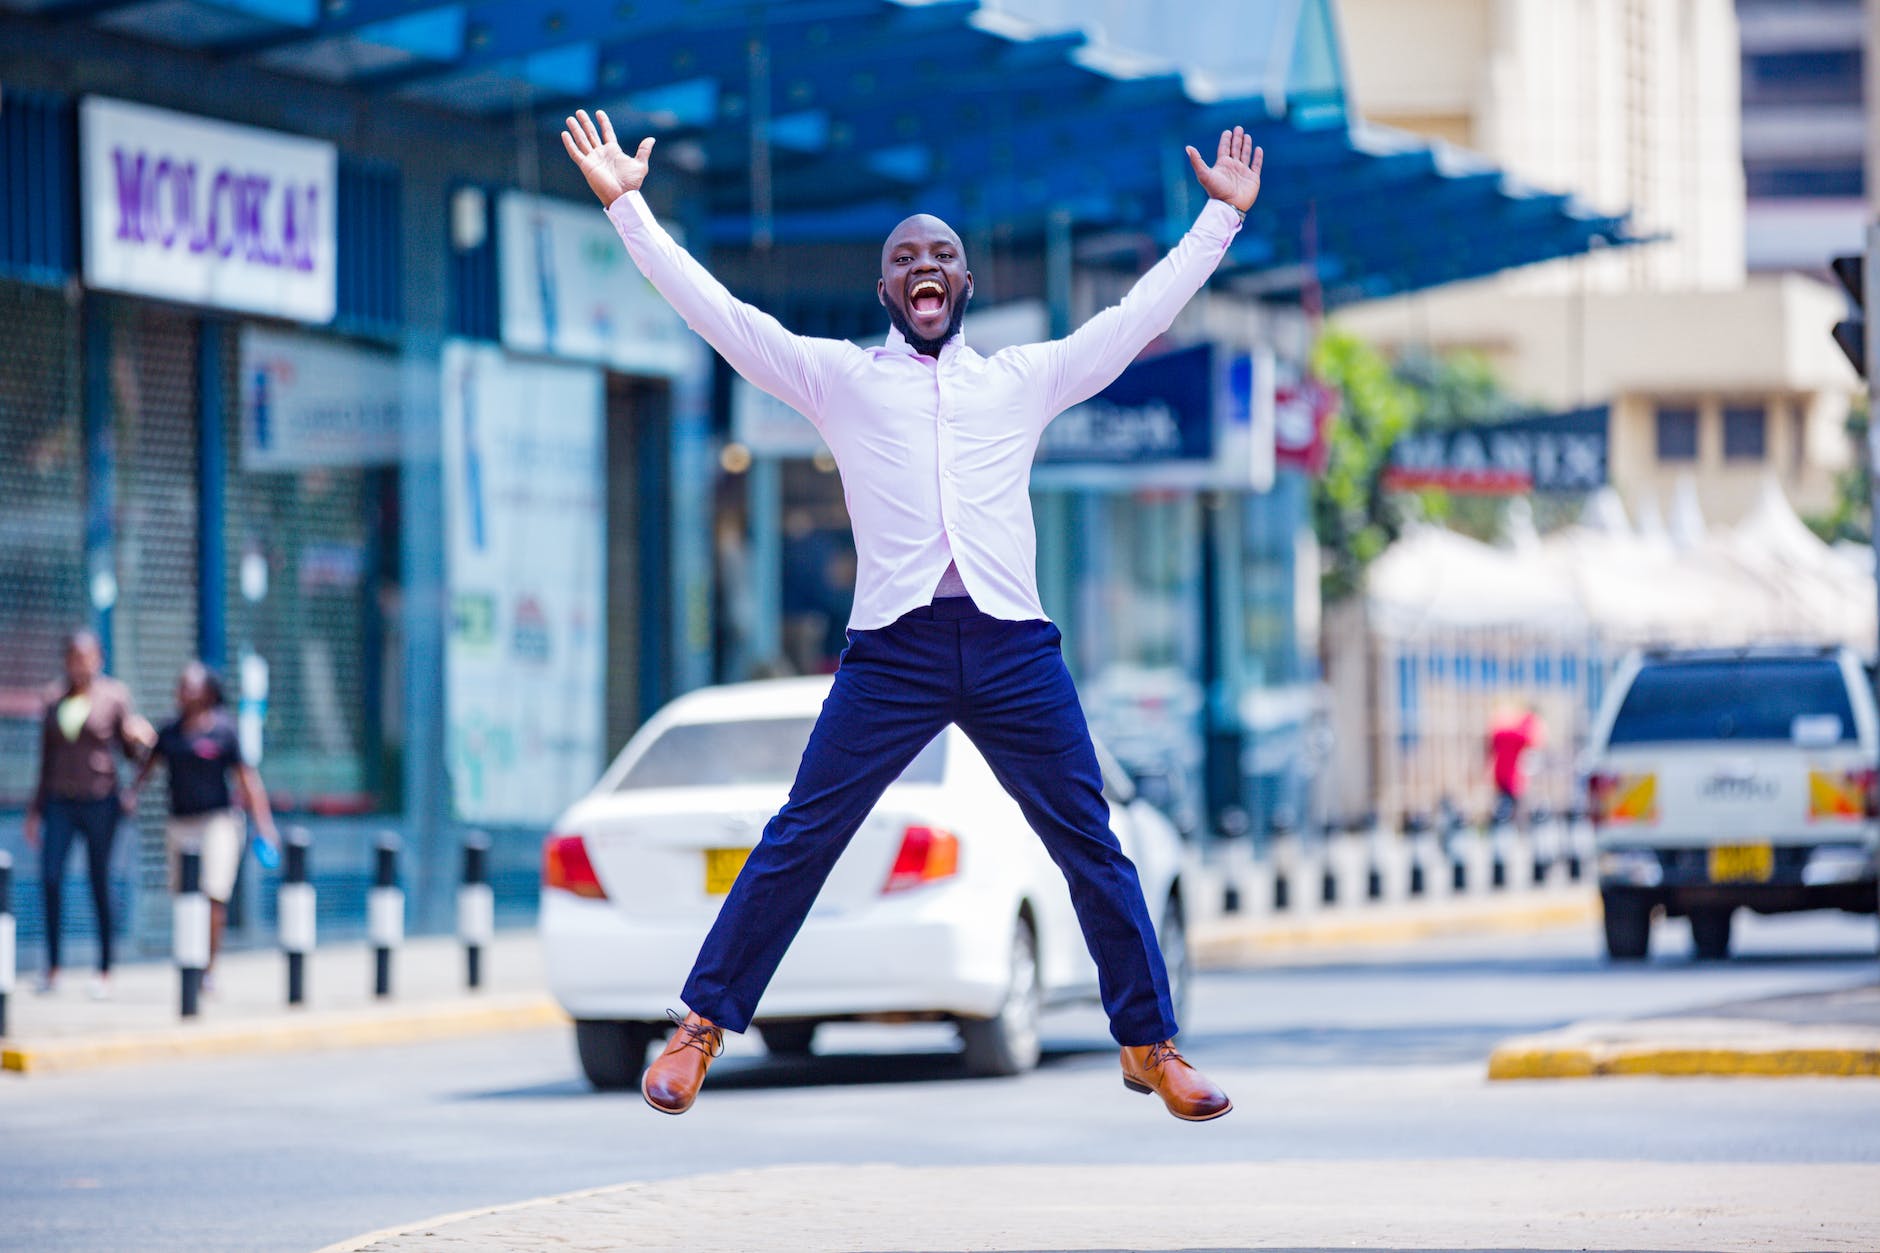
1561, 452
207, 212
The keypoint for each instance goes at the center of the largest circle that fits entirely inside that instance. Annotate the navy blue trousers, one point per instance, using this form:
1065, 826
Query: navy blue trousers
898, 687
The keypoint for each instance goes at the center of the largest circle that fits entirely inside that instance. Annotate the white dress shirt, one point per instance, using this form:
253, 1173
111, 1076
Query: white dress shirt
935, 455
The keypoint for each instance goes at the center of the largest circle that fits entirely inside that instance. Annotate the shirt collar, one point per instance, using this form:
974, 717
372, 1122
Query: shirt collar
897, 342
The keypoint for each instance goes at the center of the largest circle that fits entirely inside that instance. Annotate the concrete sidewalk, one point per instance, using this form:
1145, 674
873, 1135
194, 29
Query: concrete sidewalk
1830, 1034
248, 1013
1221, 1206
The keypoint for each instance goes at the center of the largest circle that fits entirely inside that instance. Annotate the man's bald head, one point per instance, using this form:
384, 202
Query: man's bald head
925, 284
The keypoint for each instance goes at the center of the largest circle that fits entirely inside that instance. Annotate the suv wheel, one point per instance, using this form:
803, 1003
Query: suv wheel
1628, 924
1710, 932
613, 1054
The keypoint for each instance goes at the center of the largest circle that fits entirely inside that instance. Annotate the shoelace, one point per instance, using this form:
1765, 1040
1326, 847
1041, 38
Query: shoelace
707, 1040
1163, 1052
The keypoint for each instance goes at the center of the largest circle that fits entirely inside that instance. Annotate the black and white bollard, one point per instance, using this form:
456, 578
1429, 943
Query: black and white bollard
189, 931
296, 904
385, 915
9, 954
476, 906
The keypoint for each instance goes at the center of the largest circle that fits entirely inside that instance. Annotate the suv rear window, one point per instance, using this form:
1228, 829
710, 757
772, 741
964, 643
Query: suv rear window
760, 751
1747, 699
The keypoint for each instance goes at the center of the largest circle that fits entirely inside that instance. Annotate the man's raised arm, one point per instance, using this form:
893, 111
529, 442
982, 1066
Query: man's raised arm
1088, 360
789, 367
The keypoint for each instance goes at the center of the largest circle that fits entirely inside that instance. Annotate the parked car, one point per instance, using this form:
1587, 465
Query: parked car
945, 907
1720, 780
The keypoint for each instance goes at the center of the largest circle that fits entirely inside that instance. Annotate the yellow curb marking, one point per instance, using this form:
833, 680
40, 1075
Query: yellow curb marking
404, 1027
1524, 1062
1220, 949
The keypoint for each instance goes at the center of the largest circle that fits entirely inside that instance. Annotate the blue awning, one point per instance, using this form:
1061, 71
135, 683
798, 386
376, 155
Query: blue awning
996, 114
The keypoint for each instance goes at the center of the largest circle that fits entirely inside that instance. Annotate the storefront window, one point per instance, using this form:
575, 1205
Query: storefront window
313, 607
818, 553
1138, 635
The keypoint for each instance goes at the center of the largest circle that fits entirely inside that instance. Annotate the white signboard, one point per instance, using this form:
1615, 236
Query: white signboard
525, 518
205, 212
571, 290
307, 401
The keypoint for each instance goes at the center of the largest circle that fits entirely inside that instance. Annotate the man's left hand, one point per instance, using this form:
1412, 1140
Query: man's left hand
1235, 174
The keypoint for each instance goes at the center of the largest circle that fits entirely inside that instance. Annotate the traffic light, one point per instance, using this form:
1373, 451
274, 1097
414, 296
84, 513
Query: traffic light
1851, 333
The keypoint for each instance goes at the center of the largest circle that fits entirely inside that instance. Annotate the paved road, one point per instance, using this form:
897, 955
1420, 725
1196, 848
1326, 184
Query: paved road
1329, 1056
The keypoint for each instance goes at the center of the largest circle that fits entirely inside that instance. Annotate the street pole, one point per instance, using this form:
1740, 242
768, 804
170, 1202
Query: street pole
1870, 284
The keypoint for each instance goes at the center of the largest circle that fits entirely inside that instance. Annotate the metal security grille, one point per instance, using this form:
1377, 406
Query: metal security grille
152, 362
42, 516
306, 567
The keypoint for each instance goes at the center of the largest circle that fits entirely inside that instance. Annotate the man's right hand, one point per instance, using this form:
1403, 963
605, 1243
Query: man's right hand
609, 171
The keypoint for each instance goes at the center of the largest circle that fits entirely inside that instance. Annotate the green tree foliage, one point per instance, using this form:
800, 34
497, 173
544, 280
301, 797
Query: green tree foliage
1354, 517
1351, 513
1851, 518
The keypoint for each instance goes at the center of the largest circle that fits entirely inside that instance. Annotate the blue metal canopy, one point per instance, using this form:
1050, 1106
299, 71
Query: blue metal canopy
829, 120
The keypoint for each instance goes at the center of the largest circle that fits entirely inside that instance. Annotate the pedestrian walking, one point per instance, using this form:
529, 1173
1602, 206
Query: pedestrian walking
935, 444
202, 751
1512, 735
87, 719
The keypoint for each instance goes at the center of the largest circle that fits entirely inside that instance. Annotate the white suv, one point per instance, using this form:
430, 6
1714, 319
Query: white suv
1745, 777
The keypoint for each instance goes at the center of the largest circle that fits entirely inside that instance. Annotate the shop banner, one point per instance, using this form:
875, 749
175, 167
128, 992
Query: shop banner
569, 289
525, 549
1159, 409
308, 402
1561, 452
205, 212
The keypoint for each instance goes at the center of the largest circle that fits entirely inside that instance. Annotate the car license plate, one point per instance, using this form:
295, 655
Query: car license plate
721, 868
1742, 863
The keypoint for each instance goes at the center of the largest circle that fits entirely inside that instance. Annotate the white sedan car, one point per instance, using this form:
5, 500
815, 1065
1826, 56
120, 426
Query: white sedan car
945, 907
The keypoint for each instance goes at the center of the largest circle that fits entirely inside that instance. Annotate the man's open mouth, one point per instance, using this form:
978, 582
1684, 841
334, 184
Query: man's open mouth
927, 297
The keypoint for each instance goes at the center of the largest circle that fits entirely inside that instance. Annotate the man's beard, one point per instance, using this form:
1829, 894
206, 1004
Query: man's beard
928, 347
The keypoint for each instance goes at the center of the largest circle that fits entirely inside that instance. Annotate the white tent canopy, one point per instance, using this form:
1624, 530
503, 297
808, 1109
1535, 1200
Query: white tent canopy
1767, 578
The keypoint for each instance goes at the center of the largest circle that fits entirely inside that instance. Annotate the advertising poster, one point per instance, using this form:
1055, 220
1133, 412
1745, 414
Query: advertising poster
570, 289
308, 401
525, 519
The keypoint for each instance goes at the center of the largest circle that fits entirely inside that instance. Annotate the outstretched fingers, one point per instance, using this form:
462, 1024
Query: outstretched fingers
1259, 159
587, 127
607, 127
1225, 149
576, 139
646, 149
1194, 159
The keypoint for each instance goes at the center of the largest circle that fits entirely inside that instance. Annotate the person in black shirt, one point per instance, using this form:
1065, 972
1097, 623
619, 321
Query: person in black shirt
202, 750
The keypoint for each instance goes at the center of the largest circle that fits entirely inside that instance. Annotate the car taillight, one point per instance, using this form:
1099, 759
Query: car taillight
1848, 794
1614, 798
565, 865
927, 854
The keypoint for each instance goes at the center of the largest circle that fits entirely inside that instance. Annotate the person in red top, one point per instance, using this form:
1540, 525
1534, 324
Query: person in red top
1510, 738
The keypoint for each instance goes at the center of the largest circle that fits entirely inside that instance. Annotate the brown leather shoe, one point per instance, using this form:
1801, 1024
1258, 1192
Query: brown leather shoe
671, 1083
1159, 1070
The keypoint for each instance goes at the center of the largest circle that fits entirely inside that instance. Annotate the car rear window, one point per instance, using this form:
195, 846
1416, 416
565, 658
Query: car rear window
762, 750
1791, 701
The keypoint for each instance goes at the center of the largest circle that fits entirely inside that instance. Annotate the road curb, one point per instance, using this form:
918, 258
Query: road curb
1217, 945
354, 1244
376, 1027
1593, 1061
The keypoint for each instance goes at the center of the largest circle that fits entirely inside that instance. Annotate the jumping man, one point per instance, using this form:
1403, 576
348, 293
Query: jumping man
935, 445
